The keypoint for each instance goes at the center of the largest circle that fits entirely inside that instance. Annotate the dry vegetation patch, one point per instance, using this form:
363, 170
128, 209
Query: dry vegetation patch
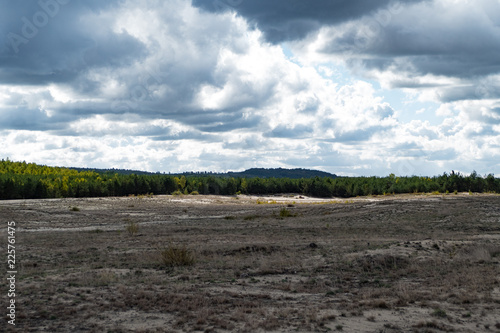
398, 264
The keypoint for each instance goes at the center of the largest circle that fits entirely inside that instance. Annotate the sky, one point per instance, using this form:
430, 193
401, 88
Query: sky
351, 87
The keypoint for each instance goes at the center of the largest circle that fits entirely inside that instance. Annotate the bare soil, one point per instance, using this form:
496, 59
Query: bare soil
410, 263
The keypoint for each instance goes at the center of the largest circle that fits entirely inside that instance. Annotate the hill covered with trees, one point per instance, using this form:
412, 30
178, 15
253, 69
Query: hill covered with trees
21, 180
250, 173
267, 173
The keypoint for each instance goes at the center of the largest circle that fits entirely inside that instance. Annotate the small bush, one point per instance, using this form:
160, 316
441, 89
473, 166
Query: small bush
194, 193
177, 192
177, 256
75, 209
286, 213
132, 228
439, 313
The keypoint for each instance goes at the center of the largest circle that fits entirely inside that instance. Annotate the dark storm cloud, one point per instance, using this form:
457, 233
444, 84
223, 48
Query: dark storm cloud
20, 118
429, 38
49, 41
462, 58
282, 20
73, 44
469, 92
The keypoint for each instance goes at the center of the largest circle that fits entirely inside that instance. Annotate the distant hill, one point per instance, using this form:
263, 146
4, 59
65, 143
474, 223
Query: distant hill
266, 173
250, 173
281, 173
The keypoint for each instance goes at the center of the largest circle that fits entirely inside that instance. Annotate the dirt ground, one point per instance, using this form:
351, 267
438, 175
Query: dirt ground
410, 263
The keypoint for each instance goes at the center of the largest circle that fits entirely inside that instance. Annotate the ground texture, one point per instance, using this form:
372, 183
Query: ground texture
415, 263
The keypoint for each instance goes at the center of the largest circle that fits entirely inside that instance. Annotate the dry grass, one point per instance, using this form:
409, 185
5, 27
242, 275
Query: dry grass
174, 256
237, 266
132, 228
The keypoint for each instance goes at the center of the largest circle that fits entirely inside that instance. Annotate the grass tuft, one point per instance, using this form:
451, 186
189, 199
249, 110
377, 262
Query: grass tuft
132, 228
177, 256
286, 213
439, 313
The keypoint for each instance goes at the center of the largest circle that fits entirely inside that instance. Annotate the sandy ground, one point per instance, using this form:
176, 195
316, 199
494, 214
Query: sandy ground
409, 263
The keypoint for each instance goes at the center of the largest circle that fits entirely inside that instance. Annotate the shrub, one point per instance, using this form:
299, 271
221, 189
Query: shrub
177, 256
75, 209
132, 228
177, 192
439, 313
286, 213
195, 193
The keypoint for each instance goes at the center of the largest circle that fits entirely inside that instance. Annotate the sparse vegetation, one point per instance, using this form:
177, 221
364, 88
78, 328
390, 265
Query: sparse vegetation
174, 256
234, 265
286, 213
439, 313
132, 228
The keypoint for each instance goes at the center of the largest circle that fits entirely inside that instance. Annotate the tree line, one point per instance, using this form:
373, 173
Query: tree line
21, 180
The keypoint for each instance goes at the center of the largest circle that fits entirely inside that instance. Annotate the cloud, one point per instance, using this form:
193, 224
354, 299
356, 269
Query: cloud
358, 135
438, 59
439, 45
283, 131
44, 41
283, 20
164, 85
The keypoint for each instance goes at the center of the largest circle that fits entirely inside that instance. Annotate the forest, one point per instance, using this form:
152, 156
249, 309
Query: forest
22, 180
250, 173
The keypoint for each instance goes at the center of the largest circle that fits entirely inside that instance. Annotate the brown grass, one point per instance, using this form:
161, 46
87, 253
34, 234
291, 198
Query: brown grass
233, 265
174, 256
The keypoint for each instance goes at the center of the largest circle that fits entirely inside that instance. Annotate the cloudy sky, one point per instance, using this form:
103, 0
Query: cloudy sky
353, 87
